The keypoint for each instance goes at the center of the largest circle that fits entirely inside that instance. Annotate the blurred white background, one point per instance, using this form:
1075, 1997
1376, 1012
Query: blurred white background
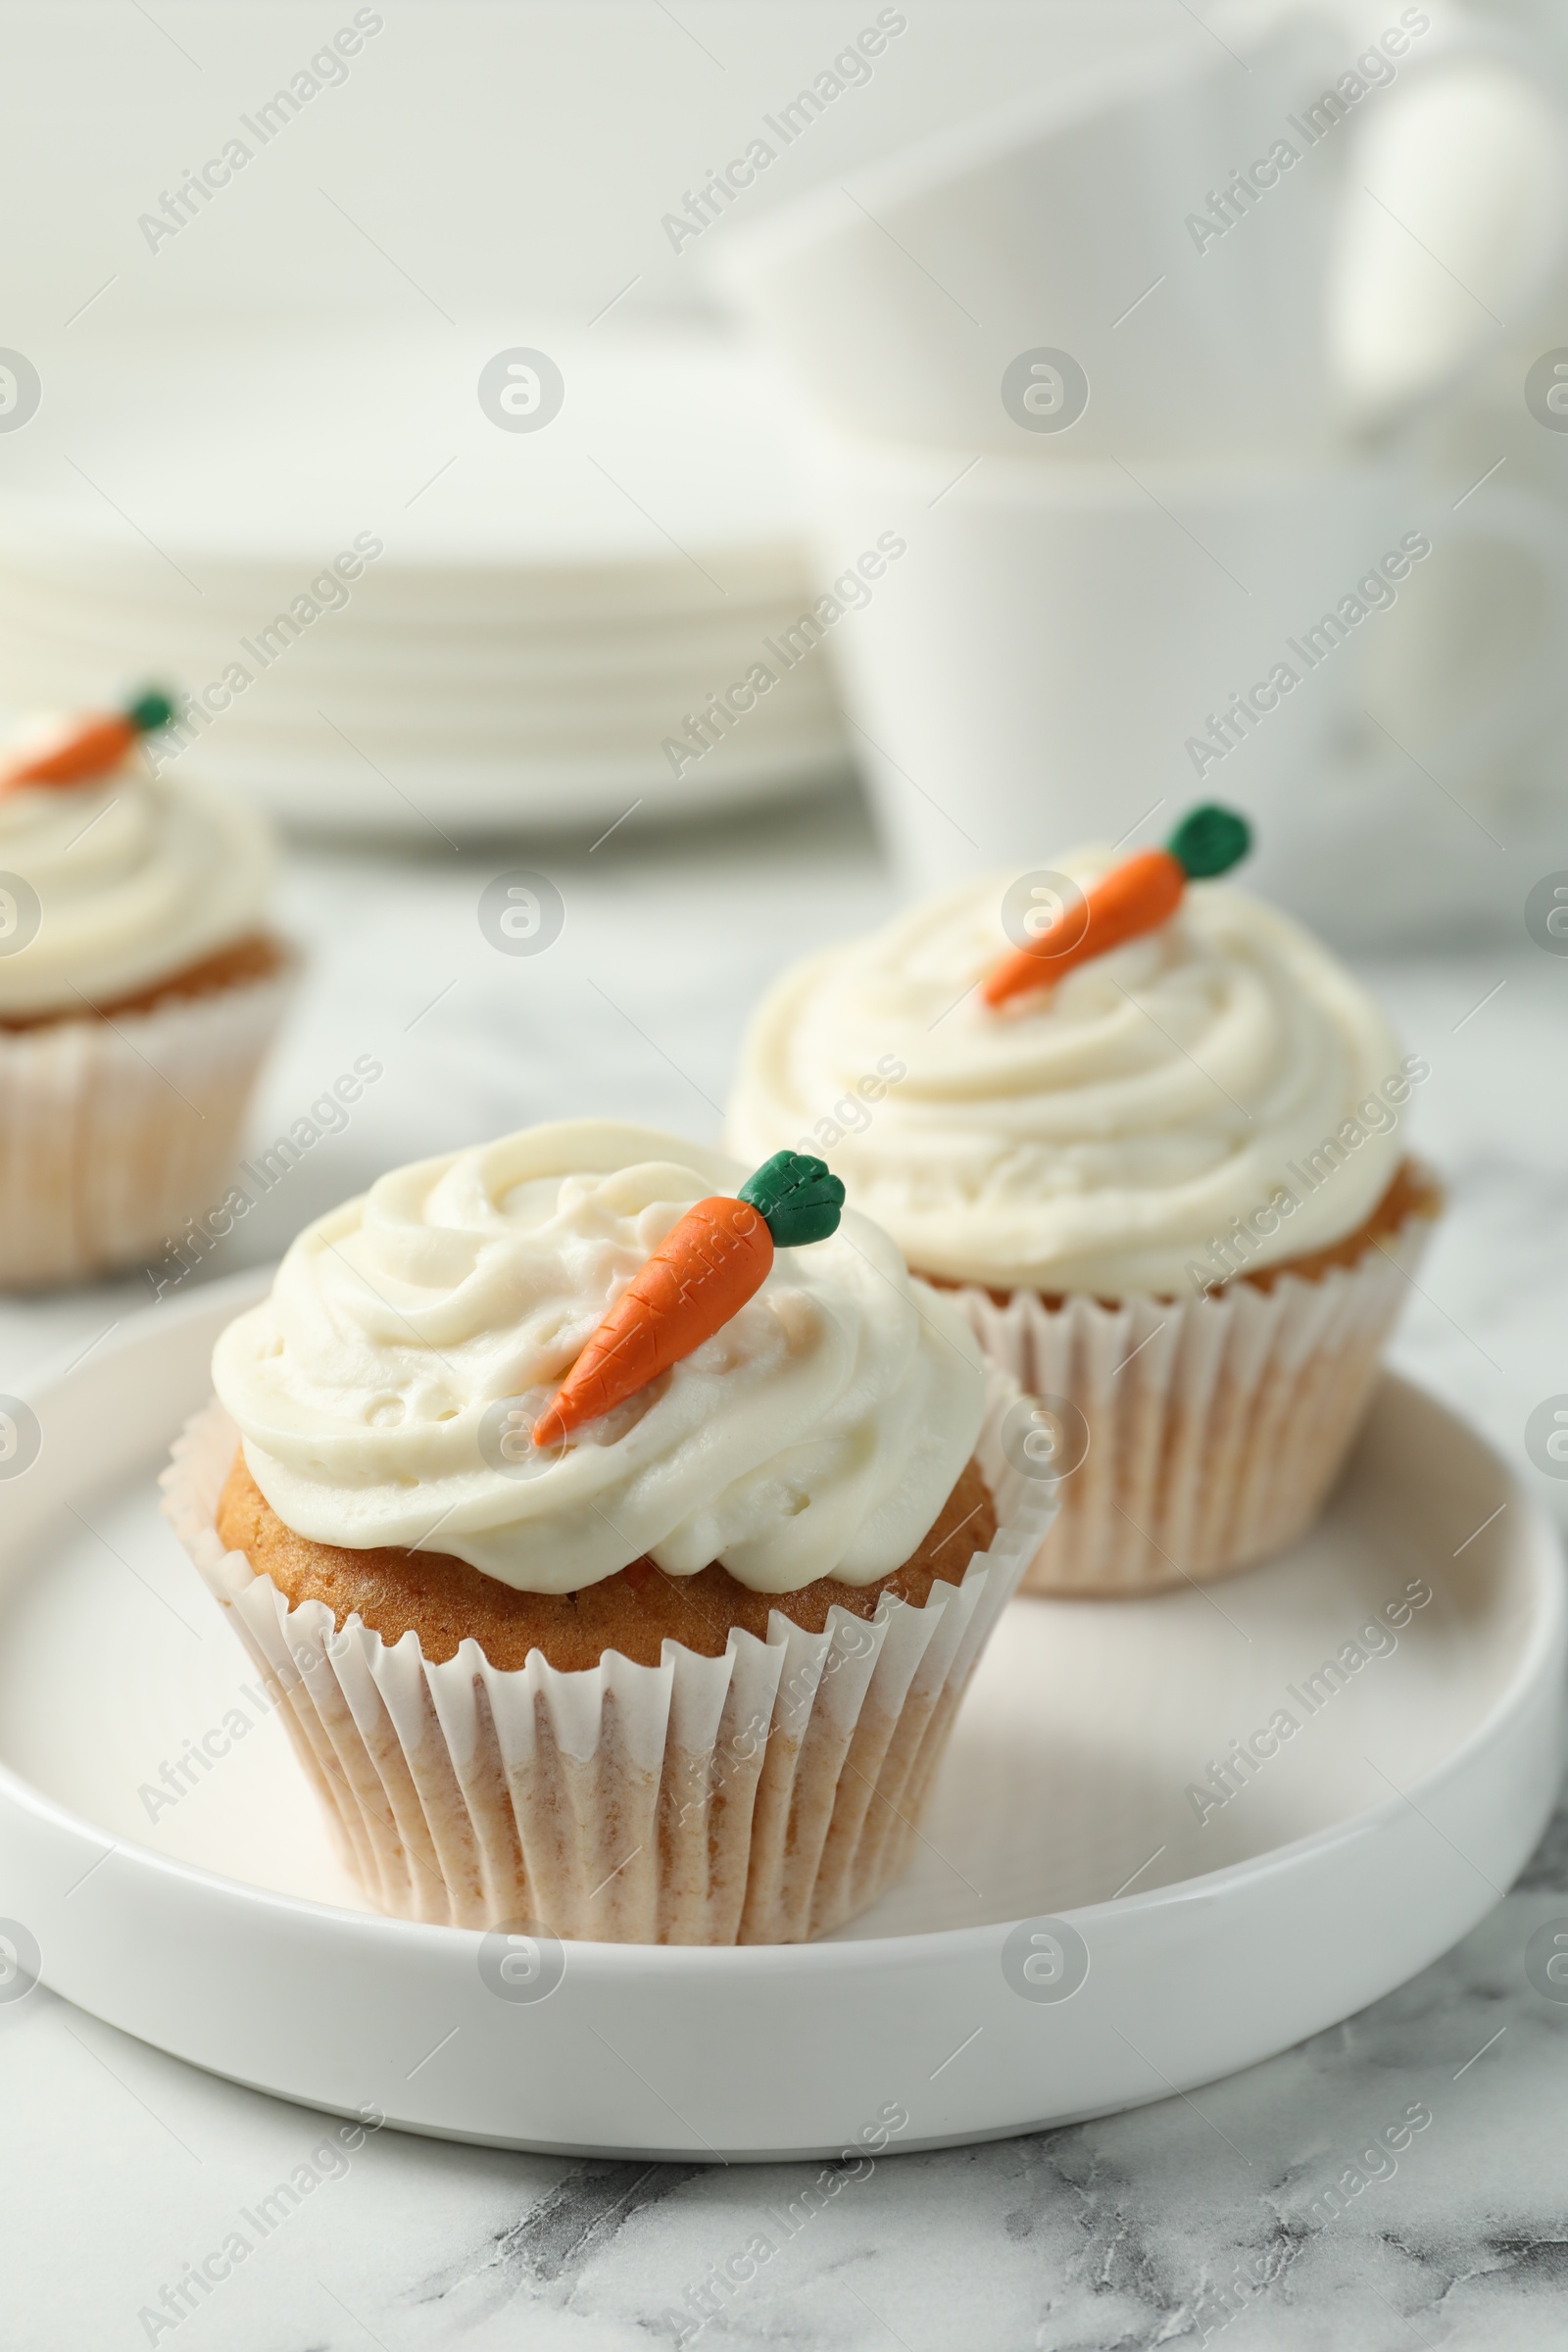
515, 159
299, 361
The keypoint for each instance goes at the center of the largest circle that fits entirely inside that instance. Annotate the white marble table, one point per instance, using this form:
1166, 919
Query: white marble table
118, 2166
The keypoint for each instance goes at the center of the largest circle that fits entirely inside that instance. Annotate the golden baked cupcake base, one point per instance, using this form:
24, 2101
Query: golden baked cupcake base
1215, 1427
258, 957
443, 1601
117, 1127
761, 1795
1414, 1192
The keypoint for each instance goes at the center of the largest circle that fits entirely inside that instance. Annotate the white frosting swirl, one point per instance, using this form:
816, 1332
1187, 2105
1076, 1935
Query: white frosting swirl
817, 1434
136, 876
1097, 1137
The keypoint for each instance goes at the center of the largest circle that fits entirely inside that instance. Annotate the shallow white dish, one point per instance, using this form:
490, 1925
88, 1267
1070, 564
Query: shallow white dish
217, 1923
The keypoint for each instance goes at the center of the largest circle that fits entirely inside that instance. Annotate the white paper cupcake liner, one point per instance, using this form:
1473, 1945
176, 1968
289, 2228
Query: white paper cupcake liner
113, 1132
763, 1797
1215, 1424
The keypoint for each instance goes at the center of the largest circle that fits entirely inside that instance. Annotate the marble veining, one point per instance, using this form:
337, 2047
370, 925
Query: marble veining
1201, 2219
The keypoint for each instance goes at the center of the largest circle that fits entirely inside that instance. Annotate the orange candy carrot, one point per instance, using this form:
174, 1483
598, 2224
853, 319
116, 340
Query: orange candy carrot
702, 1273
1135, 896
708, 1264
91, 746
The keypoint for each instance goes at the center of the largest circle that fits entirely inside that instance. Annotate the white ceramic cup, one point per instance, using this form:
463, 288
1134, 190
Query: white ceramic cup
1056, 650
1176, 252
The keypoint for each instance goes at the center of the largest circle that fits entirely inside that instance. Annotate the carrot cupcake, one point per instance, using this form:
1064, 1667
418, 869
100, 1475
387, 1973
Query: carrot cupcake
621, 1533
1146, 1129
139, 988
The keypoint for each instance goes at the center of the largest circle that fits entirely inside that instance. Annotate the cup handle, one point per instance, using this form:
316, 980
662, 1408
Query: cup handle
1517, 708
1366, 302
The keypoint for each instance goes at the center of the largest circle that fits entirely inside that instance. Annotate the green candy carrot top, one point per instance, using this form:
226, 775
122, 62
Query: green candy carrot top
1135, 896
708, 1264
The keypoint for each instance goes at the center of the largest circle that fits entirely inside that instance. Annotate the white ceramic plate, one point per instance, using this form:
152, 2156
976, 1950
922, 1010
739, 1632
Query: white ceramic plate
546, 607
1156, 1950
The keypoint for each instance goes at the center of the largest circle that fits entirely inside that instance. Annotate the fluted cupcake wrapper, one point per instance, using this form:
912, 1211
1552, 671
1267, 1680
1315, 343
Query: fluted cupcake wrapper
114, 1132
1216, 1426
763, 1797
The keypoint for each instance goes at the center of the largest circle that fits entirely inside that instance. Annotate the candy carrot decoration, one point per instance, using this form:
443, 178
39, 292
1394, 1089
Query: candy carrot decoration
702, 1272
1135, 896
91, 746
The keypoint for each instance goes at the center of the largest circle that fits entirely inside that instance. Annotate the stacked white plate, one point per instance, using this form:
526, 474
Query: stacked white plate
547, 610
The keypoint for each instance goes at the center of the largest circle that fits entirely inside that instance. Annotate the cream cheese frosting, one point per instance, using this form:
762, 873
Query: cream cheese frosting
817, 1434
133, 877
1098, 1136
